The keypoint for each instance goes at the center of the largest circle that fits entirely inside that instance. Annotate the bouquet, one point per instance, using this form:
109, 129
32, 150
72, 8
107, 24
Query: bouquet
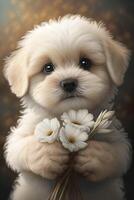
76, 129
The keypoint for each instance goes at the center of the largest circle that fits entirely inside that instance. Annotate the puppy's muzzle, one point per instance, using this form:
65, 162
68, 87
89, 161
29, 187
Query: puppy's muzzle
69, 85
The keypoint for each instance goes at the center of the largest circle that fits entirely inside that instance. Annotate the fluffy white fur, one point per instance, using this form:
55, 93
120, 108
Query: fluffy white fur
107, 157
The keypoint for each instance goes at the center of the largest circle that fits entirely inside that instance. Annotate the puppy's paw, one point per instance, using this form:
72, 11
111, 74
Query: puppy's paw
96, 162
47, 160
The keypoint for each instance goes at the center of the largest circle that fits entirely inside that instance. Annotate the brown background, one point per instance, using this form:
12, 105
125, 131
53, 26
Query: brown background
16, 17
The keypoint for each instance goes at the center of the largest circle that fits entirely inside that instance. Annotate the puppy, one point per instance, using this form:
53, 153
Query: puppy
69, 63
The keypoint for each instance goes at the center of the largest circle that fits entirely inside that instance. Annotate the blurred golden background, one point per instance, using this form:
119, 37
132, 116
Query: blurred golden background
17, 17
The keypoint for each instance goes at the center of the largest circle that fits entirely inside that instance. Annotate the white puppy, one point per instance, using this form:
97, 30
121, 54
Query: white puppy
69, 63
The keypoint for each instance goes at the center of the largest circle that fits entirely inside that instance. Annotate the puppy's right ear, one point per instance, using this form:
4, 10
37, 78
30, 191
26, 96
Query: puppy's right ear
15, 72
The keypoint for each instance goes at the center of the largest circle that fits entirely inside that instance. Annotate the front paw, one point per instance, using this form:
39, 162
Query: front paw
47, 160
96, 162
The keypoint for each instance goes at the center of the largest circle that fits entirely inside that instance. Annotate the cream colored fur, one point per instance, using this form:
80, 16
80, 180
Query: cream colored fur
107, 157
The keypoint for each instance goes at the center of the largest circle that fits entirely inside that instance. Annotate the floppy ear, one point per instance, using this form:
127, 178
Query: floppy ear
16, 73
117, 58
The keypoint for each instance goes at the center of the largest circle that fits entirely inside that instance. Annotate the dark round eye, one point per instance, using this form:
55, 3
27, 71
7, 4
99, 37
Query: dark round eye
48, 68
85, 63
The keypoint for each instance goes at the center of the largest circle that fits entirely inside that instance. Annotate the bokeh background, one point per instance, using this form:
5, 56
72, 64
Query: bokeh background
16, 17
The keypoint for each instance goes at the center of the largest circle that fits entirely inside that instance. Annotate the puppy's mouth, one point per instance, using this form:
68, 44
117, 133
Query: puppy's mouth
71, 97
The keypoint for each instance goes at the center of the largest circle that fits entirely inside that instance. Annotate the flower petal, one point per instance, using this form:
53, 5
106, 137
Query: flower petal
81, 114
88, 118
41, 127
72, 115
55, 125
46, 122
65, 116
83, 136
82, 145
71, 130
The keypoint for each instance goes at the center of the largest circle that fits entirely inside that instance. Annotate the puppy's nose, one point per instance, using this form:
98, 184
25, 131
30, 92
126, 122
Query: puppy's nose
69, 85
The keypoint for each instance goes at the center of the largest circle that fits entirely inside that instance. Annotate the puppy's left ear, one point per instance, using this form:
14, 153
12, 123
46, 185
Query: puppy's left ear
117, 58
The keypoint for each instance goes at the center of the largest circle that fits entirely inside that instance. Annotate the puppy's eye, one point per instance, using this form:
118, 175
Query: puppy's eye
85, 63
48, 68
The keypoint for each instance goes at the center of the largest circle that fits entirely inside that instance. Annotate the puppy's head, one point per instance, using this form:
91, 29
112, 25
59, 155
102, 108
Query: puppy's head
69, 63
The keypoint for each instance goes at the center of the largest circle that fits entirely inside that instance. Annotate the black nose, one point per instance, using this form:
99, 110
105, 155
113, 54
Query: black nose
69, 85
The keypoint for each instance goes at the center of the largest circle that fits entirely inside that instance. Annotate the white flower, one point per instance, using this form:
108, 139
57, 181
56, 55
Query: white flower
72, 138
81, 119
47, 130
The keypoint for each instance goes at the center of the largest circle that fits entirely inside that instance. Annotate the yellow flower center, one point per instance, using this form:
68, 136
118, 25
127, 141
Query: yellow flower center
76, 122
71, 139
49, 133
